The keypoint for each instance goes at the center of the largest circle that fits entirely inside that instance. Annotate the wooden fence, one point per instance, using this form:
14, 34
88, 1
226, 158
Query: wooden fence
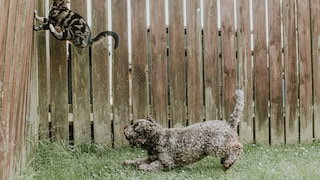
185, 69
18, 85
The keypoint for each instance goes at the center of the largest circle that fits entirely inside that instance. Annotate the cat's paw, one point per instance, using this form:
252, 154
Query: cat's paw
35, 13
52, 29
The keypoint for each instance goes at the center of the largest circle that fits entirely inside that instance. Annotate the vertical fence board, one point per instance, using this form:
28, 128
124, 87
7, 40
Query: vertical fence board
140, 95
58, 90
120, 73
304, 55
194, 63
81, 85
8, 86
315, 25
4, 7
100, 77
177, 66
158, 63
261, 73
275, 59
211, 60
245, 69
291, 69
27, 114
228, 48
15, 89
40, 57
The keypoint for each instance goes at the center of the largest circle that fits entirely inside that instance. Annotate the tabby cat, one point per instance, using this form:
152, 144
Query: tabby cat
65, 24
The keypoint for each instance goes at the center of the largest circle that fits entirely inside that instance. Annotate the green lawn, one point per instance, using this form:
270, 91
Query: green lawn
63, 162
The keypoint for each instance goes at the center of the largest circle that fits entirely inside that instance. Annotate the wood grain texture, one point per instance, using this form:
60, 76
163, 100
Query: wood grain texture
305, 66
158, 63
177, 65
291, 75
139, 64
275, 59
3, 122
100, 77
211, 60
59, 90
261, 73
246, 128
41, 59
81, 85
315, 25
229, 62
120, 73
194, 63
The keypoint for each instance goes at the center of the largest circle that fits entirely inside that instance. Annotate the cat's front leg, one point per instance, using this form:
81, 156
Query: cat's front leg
42, 27
58, 35
38, 18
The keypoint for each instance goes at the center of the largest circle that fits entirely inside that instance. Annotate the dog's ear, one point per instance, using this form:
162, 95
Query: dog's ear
150, 118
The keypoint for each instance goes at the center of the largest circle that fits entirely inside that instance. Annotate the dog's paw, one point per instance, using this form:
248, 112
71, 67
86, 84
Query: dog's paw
129, 162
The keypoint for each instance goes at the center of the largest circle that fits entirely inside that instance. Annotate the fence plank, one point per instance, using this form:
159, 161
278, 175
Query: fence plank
7, 88
81, 85
291, 69
40, 57
304, 55
120, 73
15, 89
211, 59
260, 73
58, 90
228, 48
315, 14
100, 77
158, 63
245, 70
194, 63
140, 95
275, 59
12, 116
4, 11
177, 66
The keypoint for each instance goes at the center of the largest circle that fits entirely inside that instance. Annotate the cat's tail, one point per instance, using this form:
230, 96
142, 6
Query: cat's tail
105, 34
237, 112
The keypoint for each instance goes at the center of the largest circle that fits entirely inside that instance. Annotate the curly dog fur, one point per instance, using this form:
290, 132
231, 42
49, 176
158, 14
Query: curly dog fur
172, 147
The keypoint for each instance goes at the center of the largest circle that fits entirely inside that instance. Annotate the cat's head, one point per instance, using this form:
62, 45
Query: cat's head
60, 3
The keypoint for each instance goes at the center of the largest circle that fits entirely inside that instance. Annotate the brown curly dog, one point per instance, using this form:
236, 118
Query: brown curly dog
172, 147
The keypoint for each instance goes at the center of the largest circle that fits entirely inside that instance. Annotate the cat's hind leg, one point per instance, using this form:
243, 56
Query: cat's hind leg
66, 34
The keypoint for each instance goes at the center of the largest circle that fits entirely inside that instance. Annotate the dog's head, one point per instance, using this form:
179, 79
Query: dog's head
142, 133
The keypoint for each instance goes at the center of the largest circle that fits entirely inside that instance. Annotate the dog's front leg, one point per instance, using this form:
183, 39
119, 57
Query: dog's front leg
154, 165
137, 162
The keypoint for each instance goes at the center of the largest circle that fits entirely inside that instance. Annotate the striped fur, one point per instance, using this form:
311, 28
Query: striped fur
65, 24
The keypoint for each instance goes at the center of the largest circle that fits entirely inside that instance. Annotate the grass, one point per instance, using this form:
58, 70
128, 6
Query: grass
92, 161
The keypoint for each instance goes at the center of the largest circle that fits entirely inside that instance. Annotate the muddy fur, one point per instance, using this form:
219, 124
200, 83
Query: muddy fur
172, 147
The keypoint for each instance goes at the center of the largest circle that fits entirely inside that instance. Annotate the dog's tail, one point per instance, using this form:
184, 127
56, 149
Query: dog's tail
105, 34
237, 112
